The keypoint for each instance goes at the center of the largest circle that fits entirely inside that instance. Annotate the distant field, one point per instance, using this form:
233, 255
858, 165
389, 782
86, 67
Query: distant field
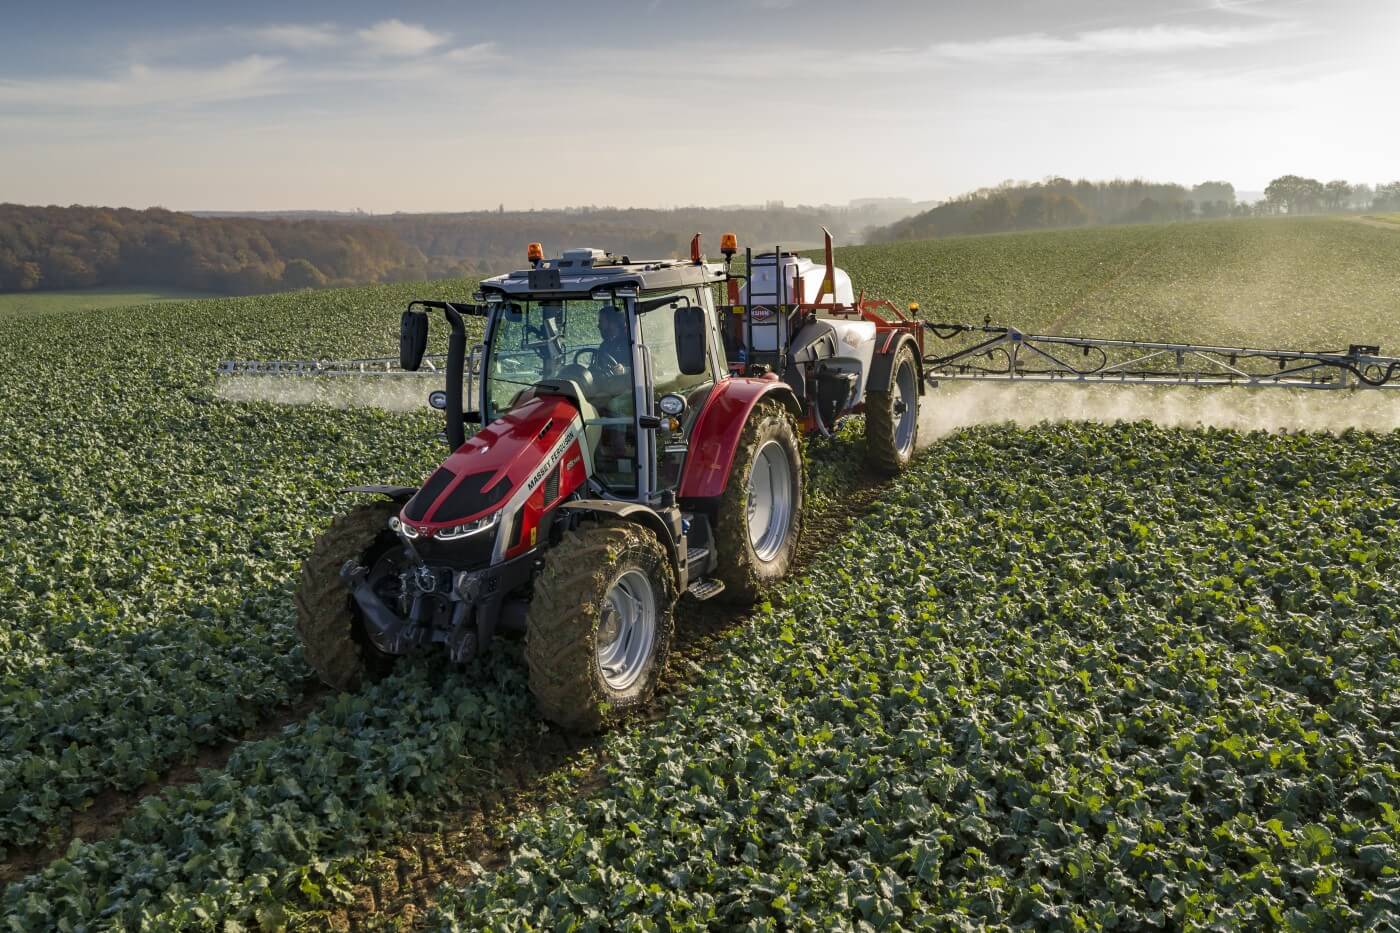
1384, 218
87, 299
1314, 281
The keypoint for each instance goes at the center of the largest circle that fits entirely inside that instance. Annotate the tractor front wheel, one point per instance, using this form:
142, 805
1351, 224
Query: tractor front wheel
600, 624
760, 513
892, 416
332, 634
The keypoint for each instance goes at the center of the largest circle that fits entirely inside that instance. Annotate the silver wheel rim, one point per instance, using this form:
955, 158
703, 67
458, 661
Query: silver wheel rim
626, 630
906, 409
770, 500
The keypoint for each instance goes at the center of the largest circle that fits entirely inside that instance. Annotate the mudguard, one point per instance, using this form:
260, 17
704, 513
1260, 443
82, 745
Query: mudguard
882, 366
639, 514
715, 436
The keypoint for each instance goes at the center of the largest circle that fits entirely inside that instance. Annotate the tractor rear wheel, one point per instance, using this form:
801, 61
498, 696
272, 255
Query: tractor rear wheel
600, 624
760, 513
892, 417
332, 634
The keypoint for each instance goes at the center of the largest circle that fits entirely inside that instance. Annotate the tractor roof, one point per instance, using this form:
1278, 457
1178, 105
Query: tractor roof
583, 270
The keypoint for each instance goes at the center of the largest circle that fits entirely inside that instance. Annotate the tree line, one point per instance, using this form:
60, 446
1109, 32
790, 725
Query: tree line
87, 247
1295, 194
495, 241
1060, 202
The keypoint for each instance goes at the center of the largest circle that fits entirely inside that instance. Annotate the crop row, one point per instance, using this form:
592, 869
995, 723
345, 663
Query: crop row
148, 536
1061, 676
1074, 676
272, 832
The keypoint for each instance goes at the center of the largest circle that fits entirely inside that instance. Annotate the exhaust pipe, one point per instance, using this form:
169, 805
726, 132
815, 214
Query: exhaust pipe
456, 362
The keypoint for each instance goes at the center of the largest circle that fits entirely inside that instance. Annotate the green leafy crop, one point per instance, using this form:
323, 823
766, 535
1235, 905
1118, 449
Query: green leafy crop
1065, 677
1070, 676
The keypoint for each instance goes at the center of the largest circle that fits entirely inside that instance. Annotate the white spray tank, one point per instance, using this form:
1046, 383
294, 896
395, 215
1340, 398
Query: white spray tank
855, 338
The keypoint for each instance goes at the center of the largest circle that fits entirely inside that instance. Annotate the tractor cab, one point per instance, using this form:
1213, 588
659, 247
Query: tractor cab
633, 344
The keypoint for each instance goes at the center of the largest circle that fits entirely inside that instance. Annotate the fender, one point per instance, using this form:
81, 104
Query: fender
637, 514
715, 436
882, 366
396, 493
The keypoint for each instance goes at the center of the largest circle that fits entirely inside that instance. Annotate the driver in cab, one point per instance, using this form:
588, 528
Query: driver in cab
606, 380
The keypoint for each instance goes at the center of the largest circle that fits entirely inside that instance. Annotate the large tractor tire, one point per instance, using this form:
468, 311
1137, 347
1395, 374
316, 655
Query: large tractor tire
892, 417
600, 625
332, 633
760, 513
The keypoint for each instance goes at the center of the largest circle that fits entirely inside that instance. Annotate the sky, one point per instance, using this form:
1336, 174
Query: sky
443, 106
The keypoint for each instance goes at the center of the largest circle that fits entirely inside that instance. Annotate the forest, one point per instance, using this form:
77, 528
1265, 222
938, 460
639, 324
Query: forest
43, 248
87, 247
58, 248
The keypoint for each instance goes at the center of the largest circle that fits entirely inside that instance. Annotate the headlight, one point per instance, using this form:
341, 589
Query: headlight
470, 528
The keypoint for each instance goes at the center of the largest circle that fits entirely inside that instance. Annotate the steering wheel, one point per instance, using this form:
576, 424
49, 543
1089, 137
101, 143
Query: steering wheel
578, 353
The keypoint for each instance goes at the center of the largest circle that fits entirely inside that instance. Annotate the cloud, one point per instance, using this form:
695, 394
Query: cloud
1242, 8
474, 54
1147, 40
141, 85
299, 36
395, 37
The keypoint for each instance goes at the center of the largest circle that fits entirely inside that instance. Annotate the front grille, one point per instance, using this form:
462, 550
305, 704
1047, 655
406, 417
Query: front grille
470, 553
423, 499
468, 498
551, 486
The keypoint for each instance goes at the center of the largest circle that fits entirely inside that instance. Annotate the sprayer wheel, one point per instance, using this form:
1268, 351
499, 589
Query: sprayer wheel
759, 518
332, 635
892, 417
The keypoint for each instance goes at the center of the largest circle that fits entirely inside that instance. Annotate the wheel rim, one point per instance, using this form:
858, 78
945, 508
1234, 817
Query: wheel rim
627, 629
906, 409
770, 500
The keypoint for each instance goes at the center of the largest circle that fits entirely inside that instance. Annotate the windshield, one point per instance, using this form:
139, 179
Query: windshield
582, 340
533, 341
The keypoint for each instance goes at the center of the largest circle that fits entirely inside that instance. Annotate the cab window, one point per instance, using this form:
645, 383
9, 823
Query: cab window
659, 336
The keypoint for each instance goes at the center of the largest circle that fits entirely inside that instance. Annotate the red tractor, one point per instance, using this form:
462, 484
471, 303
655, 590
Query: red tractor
638, 442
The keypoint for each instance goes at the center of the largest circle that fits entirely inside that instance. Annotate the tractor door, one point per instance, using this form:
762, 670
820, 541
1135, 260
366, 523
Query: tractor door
676, 397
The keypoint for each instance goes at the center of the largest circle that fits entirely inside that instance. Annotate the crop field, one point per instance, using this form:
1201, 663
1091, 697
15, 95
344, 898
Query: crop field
1322, 282
85, 299
1067, 675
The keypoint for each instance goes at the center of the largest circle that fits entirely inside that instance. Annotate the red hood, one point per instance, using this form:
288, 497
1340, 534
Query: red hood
494, 463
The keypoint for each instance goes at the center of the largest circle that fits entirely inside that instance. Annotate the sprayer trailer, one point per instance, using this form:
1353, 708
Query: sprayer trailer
638, 440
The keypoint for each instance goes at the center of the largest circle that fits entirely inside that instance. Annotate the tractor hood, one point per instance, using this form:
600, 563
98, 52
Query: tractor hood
499, 466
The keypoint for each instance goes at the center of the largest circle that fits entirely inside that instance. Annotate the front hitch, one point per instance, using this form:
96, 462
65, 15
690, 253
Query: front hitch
388, 631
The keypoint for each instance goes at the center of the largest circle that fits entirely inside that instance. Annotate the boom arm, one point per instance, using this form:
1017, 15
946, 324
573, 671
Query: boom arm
1006, 354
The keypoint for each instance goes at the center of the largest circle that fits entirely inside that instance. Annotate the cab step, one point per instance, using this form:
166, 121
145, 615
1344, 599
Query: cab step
704, 589
695, 560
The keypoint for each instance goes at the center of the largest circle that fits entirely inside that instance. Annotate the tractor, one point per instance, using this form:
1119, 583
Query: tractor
637, 441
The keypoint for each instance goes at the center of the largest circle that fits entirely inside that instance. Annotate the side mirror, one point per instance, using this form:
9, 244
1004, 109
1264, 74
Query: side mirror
690, 340
413, 340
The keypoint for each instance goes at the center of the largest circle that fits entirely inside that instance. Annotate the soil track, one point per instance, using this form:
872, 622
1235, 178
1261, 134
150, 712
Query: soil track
398, 886
402, 881
104, 816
